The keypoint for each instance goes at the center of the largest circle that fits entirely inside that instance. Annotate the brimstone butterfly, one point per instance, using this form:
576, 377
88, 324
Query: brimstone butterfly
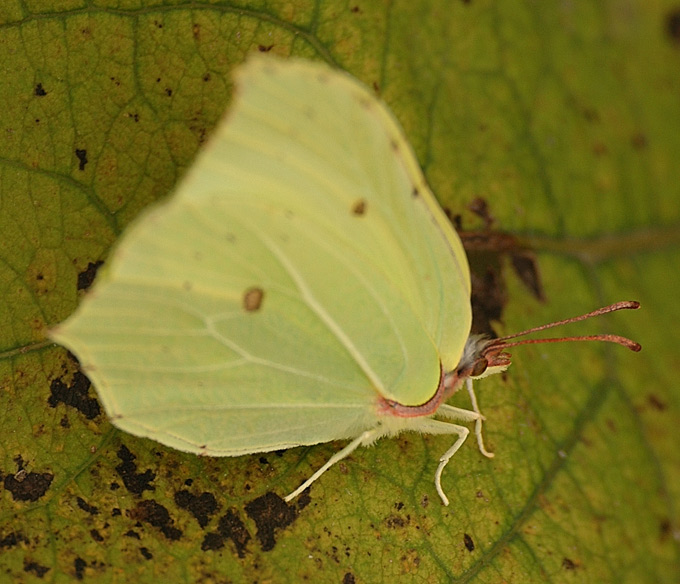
302, 285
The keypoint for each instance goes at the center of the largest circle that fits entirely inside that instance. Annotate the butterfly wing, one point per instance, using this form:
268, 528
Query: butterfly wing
309, 198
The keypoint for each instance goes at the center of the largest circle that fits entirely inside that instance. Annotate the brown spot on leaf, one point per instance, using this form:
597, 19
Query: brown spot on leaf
86, 277
31, 487
158, 516
202, 507
81, 155
348, 578
76, 395
264, 48
135, 482
591, 114
39, 90
639, 141
270, 513
600, 149
469, 544
395, 521
656, 402
568, 564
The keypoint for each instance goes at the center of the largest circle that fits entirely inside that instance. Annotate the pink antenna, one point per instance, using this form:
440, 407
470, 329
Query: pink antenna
501, 343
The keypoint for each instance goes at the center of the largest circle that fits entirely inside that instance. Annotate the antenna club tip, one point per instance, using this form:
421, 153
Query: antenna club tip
633, 304
635, 347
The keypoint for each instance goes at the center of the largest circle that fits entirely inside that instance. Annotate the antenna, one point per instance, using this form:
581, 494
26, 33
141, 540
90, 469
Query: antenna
495, 345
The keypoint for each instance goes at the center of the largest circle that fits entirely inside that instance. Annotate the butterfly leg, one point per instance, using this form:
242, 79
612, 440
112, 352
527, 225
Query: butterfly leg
365, 438
478, 421
430, 426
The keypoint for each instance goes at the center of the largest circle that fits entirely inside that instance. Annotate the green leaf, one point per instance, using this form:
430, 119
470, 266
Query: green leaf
563, 116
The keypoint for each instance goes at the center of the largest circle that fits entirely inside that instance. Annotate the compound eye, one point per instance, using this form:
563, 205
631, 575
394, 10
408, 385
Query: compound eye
479, 367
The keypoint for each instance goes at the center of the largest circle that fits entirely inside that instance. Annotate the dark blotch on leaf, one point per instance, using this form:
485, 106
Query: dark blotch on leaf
94, 533
31, 487
75, 395
13, 538
270, 512
85, 506
672, 25
146, 553
525, 266
201, 506
212, 542
79, 565
303, 500
469, 544
264, 48
665, 529
394, 521
230, 527
568, 564
157, 515
656, 402
86, 277
39, 90
480, 207
81, 155
485, 250
36, 568
348, 578
135, 482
